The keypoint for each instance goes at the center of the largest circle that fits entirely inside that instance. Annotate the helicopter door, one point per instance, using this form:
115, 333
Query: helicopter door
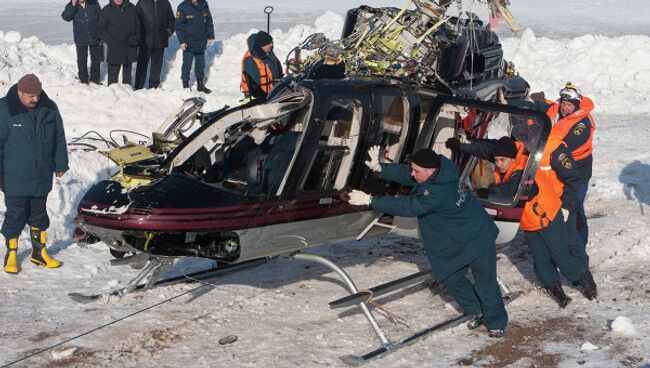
487, 122
390, 130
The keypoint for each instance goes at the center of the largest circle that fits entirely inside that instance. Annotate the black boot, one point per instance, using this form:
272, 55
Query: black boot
557, 293
475, 321
587, 285
186, 84
201, 87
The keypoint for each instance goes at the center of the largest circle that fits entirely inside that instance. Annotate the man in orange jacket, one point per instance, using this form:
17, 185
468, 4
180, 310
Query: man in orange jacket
259, 66
571, 118
508, 155
552, 198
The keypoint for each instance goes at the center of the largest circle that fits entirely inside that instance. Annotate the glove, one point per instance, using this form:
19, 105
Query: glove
373, 164
565, 213
453, 144
482, 192
359, 198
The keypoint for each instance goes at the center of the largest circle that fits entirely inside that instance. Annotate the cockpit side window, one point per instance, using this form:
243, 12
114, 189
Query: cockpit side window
497, 178
393, 127
330, 164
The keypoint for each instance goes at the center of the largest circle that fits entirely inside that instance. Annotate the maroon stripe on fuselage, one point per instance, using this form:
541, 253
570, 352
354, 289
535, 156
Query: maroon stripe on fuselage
135, 222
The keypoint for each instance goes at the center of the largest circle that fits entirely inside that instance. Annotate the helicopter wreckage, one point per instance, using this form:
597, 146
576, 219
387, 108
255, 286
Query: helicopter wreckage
269, 178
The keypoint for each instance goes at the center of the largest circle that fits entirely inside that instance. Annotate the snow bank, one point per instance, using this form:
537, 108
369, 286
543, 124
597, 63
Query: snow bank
613, 71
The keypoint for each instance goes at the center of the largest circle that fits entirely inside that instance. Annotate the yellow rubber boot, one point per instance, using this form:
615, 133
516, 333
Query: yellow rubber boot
39, 255
11, 258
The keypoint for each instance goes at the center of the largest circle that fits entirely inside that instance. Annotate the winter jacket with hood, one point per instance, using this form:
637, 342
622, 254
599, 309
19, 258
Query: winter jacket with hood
454, 227
251, 73
194, 25
157, 23
84, 22
119, 28
32, 145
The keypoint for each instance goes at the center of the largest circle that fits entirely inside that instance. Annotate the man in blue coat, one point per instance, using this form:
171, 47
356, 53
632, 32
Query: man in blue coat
84, 15
195, 31
457, 233
32, 150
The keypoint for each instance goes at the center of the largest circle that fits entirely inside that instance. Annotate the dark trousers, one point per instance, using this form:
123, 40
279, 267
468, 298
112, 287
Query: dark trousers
576, 246
482, 296
199, 66
144, 55
22, 210
550, 248
96, 55
581, 220
114, 72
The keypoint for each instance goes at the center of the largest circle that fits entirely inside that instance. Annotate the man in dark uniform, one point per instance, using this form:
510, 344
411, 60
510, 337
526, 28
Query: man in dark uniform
457, 233
119, 28
32, 151
195, 31
157, 25
84, 16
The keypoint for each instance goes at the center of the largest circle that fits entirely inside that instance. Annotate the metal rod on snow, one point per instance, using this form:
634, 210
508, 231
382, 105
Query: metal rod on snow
268, 10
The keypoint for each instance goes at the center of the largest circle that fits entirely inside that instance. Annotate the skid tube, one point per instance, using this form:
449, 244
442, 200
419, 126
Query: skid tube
360, 298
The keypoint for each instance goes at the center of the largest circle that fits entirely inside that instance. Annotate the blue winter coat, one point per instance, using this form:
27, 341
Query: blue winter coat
194, 25
32, 147
455, 229
84, 22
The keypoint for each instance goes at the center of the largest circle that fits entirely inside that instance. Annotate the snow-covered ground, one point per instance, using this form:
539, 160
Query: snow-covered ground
279, 310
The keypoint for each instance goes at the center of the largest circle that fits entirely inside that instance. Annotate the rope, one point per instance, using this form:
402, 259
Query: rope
394, 318
101, 327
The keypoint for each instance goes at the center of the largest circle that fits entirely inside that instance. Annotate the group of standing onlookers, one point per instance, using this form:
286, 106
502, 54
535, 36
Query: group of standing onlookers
139, 33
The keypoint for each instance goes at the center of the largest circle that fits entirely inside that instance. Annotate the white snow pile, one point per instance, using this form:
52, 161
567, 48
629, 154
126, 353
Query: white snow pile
623, 326
613, 71
587, 346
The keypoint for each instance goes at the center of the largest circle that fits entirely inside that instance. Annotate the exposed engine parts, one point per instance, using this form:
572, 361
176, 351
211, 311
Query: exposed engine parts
422, 45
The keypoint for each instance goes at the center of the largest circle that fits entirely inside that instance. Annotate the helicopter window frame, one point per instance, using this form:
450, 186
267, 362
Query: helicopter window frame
533, 130
347, 144
387, 120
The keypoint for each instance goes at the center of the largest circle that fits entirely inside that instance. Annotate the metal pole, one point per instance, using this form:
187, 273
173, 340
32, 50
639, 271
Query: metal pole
351, 287
268, 10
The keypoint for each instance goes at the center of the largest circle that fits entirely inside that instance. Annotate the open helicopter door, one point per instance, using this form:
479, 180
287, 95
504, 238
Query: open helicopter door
470, 120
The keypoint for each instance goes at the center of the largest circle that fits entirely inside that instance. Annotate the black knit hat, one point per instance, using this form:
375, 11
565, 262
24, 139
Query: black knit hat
426, 158
262, 39
505, 147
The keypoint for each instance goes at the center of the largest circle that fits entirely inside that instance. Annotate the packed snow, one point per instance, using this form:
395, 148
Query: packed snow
278, 311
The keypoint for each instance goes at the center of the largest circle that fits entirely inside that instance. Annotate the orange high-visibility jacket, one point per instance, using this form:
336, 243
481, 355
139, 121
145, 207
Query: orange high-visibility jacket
266, 76
566, 125
541, 210
519, 164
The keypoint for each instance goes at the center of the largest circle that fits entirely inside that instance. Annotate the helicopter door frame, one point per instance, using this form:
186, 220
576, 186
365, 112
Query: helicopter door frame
538, 129
350, 141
